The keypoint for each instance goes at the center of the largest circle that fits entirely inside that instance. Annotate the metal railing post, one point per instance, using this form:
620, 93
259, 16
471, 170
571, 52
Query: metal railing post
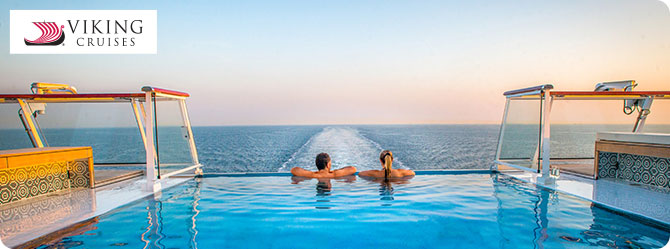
189, 131
502, 134
153, 184
546, 135
644, 112
138, 118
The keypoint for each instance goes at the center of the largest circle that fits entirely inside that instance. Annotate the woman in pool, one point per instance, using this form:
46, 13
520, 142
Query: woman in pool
388, 172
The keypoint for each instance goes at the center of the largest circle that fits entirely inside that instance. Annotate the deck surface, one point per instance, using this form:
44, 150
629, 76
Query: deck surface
582, 167
109, 176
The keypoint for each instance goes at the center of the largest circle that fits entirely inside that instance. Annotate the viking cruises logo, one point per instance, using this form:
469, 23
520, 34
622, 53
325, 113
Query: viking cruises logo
87, 31
52, 35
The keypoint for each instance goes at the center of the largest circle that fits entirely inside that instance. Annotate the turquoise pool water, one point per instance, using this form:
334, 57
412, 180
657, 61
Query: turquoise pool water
427, 211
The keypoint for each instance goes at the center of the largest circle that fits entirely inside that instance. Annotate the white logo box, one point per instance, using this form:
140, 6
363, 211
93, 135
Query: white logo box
108, 42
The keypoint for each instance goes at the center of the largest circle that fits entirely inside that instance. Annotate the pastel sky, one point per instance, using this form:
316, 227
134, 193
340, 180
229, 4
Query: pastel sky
363, 62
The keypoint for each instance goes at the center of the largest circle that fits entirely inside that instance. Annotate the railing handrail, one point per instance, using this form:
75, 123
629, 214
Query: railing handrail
661, 94
72, 96
529, 89
165, 91
92, 97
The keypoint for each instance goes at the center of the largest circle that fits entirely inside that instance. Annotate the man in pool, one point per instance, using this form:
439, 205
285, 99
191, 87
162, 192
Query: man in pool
323, 169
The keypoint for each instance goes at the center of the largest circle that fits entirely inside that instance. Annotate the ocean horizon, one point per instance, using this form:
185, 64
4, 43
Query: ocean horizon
278, 148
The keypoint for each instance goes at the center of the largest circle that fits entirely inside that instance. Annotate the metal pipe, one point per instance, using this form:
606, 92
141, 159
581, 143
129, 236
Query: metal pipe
189, 131
150, 151
642, 116
502, 132
25, 109
546, 133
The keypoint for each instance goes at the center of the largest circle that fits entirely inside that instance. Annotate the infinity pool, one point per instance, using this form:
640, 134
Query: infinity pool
427, 211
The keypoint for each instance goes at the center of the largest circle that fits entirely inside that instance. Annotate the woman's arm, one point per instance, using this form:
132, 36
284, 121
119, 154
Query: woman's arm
406, 172
370, 173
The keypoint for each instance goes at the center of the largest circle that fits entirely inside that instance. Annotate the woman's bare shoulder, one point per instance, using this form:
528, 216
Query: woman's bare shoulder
372, 173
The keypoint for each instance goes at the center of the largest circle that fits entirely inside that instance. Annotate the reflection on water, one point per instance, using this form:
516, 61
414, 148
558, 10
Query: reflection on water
154, 235
324, 188
510, 214
25, 219
386, 192
386, 189
196, 211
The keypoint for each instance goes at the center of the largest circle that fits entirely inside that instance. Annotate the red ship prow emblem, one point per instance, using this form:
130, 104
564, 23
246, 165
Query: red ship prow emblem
51, 34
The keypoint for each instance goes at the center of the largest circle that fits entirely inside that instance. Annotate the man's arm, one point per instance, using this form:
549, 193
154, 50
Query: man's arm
297, 171
349, 170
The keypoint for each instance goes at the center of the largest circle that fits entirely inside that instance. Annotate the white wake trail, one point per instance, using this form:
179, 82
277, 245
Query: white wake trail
345, 146
296, 153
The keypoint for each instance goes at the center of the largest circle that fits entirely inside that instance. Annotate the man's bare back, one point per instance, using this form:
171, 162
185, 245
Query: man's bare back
323, 165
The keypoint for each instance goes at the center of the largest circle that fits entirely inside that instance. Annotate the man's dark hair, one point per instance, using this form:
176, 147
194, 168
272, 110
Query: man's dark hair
322, 160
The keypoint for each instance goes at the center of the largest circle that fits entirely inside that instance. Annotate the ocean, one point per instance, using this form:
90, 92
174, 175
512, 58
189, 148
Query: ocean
280, 148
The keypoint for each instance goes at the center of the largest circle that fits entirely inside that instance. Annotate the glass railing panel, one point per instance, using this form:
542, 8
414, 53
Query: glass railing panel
521, 133
109, 128
173, 141
12, 132
575, 123
658, 121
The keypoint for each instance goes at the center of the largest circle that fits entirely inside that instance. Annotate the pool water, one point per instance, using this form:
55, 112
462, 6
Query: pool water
427, 211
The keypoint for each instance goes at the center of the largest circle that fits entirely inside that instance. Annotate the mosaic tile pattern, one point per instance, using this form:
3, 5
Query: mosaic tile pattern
635, 168
79, 173
24, 182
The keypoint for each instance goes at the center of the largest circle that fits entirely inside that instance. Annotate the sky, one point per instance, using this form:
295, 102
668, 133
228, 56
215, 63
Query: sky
364, 62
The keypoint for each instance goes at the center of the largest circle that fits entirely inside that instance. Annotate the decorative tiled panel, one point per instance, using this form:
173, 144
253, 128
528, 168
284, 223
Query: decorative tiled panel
24, 182
80, 176
635, 168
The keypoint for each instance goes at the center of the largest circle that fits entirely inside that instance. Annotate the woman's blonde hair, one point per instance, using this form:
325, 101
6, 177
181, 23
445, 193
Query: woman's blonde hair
386, 157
